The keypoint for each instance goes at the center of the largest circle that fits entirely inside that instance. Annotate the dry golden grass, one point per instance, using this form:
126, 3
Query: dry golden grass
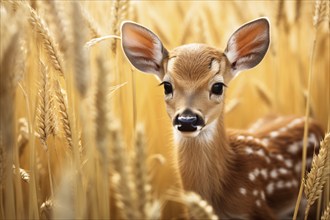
47, 40
318, 175
326, 213
99, 163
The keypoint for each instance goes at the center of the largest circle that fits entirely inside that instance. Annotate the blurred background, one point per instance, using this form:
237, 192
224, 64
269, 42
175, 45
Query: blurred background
71, 150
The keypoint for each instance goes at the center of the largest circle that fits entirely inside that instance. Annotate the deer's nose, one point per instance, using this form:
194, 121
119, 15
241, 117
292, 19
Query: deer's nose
188, 121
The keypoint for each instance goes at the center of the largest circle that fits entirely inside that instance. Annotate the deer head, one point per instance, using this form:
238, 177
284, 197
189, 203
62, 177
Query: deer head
195, 76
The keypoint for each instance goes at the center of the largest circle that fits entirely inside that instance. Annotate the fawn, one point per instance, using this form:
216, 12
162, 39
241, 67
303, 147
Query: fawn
253, 174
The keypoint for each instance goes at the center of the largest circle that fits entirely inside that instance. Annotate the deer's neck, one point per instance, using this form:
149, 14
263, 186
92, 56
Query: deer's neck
205, 161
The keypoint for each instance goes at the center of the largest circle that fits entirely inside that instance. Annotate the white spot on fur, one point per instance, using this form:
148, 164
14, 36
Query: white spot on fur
293, 148
252, 177
262, 194
295, 122
242, 191
261, 153
270, 188
240, 137
283, 129
297, 167
250, 138
283, 171
248, 150
265, 142
273, 173
264, 173
312, 138
288, 184
288, 163
279, 157
258, 203
258, 141
256, 172
273, 134
255, 192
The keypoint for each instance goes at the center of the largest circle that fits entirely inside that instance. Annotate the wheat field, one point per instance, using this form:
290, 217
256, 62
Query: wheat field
85, 135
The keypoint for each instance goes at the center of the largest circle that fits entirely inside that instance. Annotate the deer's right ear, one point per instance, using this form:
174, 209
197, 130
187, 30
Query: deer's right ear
143, 48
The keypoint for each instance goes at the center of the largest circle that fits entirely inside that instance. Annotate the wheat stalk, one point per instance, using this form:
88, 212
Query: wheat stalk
48, 42
326, 213
317, 177
61, 99
307, 112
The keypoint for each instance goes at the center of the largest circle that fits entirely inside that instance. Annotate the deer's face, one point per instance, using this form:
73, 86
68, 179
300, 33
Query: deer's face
195, 76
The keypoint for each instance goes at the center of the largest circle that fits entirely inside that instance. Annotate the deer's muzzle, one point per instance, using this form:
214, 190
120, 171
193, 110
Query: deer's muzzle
188, 121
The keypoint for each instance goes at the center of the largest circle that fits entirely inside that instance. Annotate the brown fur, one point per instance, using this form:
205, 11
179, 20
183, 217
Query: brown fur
217, 168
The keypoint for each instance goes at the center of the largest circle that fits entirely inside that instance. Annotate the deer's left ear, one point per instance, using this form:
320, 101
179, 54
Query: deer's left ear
143, 48
248, 45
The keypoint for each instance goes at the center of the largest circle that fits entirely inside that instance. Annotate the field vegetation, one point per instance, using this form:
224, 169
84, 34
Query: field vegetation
85, 135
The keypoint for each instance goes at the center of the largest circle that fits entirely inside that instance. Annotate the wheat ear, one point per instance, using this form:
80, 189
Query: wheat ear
56, 11
45, 114
122, 179
93, 27
46, 209
79, 51
25, 176
198, 208
143, 187
321, 12
48, 42
326, 213
317, 177
119, 13
61, 99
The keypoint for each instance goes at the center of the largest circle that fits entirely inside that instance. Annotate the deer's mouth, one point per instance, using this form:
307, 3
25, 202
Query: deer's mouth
188, 132
186, 127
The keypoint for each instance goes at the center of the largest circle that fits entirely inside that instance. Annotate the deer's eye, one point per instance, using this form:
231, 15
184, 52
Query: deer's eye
217, 88
168, 89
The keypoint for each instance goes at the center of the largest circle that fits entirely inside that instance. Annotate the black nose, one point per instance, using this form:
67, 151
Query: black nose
188, 121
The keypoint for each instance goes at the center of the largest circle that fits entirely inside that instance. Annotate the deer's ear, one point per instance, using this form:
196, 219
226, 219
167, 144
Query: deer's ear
248, 45
143, 48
